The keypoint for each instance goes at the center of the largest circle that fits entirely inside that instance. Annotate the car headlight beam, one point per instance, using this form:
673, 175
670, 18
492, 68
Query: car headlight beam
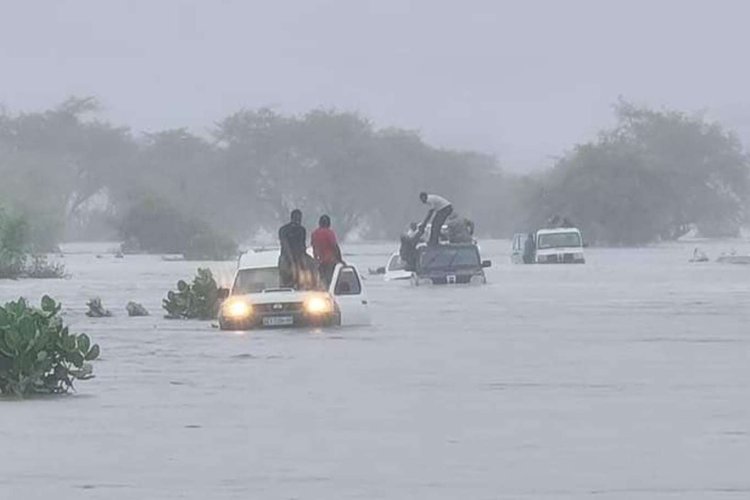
318, 305
238, 309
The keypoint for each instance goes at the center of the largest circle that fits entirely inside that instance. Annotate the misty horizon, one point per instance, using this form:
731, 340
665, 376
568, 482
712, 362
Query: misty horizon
522, 82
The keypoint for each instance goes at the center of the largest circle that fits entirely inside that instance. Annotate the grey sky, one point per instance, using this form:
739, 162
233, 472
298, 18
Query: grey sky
523, 80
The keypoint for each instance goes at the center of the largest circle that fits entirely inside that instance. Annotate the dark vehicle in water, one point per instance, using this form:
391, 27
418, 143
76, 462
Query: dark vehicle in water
450, 264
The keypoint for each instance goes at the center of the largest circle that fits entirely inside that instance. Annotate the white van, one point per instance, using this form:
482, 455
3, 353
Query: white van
257, 300
563, 245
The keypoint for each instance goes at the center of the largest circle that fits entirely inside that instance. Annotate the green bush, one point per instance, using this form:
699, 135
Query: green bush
153, 226
41, 268
37, 352
13, 245
208, 245
96, 309
199, 300
136, 309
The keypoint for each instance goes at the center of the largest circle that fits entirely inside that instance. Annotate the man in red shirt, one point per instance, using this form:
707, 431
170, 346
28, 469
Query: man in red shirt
325, 249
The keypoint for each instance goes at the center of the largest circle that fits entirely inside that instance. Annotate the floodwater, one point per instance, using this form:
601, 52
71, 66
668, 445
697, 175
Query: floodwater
625, 378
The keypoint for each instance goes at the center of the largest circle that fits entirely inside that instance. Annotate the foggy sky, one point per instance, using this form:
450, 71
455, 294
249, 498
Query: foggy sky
520, 79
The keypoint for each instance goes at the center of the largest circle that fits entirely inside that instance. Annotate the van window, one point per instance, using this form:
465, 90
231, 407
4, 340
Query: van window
559, 240
348, 282
449, 257
256, 280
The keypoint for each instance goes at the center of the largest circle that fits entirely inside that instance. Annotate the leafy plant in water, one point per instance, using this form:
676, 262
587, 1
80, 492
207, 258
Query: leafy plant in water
96, 309
38, 354
136, 309
199, 300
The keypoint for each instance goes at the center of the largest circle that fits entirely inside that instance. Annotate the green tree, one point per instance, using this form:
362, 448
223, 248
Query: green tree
654, 176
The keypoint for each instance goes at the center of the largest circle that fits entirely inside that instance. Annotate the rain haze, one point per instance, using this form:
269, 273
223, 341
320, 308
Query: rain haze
521, 80
374, 250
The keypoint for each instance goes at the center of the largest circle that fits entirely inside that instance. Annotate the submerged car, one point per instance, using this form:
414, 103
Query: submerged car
256, 299
450, 264
549, 246
395, 270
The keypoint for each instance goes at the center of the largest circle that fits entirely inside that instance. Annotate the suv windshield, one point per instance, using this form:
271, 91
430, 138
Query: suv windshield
448, 257
558, 240
255, 280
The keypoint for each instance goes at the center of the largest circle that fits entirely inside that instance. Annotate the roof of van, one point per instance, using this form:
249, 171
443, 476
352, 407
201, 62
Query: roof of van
262, 257
259, 258
559, 230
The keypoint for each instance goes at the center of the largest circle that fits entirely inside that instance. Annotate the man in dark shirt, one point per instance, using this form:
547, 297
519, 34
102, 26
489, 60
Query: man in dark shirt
325, 249
292, 237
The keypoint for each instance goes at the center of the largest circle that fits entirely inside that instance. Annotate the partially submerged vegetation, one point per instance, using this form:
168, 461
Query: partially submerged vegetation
39, 267
196, 300
97, 309
153, 226
13, 246
38, 354
135, 309
16, 259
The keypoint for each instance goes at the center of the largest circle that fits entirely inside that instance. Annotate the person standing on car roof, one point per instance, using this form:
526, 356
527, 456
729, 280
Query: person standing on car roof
440, 209
292, 237
325, 249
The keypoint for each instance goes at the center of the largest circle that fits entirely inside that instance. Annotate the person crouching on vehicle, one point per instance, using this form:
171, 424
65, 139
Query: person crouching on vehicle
440, 209
408, 249
325, 249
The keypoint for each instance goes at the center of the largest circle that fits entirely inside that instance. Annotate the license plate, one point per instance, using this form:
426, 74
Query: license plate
278, 320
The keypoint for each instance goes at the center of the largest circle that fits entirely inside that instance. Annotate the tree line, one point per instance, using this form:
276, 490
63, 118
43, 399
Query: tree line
653, 176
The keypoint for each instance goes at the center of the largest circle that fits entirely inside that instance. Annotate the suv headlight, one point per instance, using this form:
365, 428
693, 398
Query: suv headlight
237, 309
318, 304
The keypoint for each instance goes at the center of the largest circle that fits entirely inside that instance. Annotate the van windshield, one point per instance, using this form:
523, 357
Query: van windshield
445, 257
255, 280
559, 240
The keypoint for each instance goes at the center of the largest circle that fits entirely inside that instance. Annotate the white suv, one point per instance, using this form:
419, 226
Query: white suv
257, 300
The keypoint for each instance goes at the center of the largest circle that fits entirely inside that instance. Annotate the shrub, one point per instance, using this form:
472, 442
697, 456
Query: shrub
209, 245
41, 268
37, 353
96, 309
13, 245
197, 301
136, 309
153, 226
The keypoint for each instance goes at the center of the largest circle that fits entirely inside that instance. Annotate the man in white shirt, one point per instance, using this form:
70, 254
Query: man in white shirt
440, 209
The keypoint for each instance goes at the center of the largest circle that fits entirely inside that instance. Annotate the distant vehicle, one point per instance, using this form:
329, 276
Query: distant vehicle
733, 258
548, 246
450, 264
395, 269
256, 299
699, 256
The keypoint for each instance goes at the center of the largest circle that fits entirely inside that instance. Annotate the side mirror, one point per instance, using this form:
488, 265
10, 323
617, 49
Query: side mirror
486, 263
223, 293
585, 244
